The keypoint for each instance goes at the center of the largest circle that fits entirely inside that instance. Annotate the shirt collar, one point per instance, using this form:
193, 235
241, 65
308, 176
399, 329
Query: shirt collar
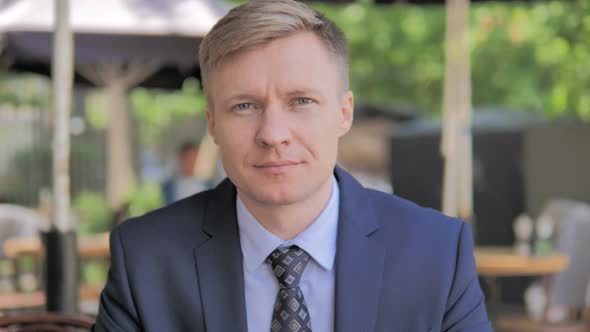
318, 240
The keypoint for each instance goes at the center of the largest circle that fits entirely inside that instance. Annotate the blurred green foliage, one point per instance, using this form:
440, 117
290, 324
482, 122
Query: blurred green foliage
156, 109
23, 90
93, 212
144, 198
31, 168
95, 215
95, 109
94, 272
532, 56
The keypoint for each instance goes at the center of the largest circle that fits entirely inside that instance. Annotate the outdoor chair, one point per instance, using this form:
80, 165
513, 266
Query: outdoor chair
45, 322
567, 289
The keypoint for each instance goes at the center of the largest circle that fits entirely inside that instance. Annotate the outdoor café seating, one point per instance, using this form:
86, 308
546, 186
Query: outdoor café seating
567, 289
21, 262
17, 222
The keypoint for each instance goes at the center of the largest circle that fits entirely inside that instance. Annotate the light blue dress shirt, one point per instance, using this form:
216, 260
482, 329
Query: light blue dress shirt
317, 282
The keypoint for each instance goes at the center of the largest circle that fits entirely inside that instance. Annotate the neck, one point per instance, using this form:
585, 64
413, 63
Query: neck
288, 221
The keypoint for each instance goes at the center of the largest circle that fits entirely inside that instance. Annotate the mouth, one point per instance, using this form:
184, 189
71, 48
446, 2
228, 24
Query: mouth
276, 167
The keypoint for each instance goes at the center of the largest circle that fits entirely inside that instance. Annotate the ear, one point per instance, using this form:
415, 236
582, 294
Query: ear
346, 112
210, 122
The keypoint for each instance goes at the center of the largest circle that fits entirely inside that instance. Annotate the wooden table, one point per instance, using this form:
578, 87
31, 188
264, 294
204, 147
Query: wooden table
504, 262
36, 299
89, 246
495, 262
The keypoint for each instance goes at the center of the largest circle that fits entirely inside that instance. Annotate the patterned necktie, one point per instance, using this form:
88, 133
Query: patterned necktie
290, 312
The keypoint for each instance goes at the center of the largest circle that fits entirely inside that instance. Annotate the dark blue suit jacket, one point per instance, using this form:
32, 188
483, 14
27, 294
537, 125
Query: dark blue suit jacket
399, 267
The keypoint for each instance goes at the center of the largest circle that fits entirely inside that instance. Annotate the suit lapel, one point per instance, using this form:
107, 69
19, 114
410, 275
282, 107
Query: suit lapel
219, 265
359, 260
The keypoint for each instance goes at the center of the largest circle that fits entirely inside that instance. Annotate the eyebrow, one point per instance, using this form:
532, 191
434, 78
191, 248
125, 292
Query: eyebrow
240, 97
300, 92
291, 94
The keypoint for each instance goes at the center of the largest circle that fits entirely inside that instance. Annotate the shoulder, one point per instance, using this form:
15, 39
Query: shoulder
409, 213
397, 218
416, 224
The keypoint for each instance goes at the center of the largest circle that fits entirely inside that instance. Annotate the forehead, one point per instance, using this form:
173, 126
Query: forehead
296, 62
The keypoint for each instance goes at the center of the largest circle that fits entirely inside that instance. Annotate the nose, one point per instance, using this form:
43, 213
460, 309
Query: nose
274, 128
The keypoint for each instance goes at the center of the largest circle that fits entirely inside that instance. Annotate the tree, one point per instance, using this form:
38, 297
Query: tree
532, 56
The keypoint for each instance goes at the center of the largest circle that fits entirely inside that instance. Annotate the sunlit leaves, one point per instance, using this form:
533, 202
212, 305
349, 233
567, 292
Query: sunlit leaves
96, 110
157, 109
532, 56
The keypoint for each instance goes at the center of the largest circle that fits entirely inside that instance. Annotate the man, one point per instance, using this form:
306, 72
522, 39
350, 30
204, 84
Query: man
184, 183
290, 241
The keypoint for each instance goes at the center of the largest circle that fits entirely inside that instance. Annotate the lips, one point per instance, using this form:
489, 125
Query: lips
279, 167
277, 164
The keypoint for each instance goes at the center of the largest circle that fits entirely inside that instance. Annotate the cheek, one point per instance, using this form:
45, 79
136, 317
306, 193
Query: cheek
318, 133
233, 138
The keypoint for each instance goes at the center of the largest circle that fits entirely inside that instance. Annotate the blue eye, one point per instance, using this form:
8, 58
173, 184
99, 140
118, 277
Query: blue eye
304, 101
242, 107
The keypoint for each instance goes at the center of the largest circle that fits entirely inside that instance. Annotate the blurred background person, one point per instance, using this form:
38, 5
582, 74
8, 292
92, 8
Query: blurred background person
184, 182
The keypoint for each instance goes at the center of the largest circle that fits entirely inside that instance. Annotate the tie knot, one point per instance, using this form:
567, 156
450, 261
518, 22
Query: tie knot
288, 264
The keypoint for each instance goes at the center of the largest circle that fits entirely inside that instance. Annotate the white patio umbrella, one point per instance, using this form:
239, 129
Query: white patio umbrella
118, 44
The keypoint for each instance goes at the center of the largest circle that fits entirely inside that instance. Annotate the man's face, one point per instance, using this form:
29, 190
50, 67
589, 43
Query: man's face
277, 113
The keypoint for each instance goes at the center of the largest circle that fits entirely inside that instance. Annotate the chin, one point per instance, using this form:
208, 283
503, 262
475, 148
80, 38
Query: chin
275, 197
277, 194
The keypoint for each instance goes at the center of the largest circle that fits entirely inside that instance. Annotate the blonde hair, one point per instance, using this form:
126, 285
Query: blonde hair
259, 22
